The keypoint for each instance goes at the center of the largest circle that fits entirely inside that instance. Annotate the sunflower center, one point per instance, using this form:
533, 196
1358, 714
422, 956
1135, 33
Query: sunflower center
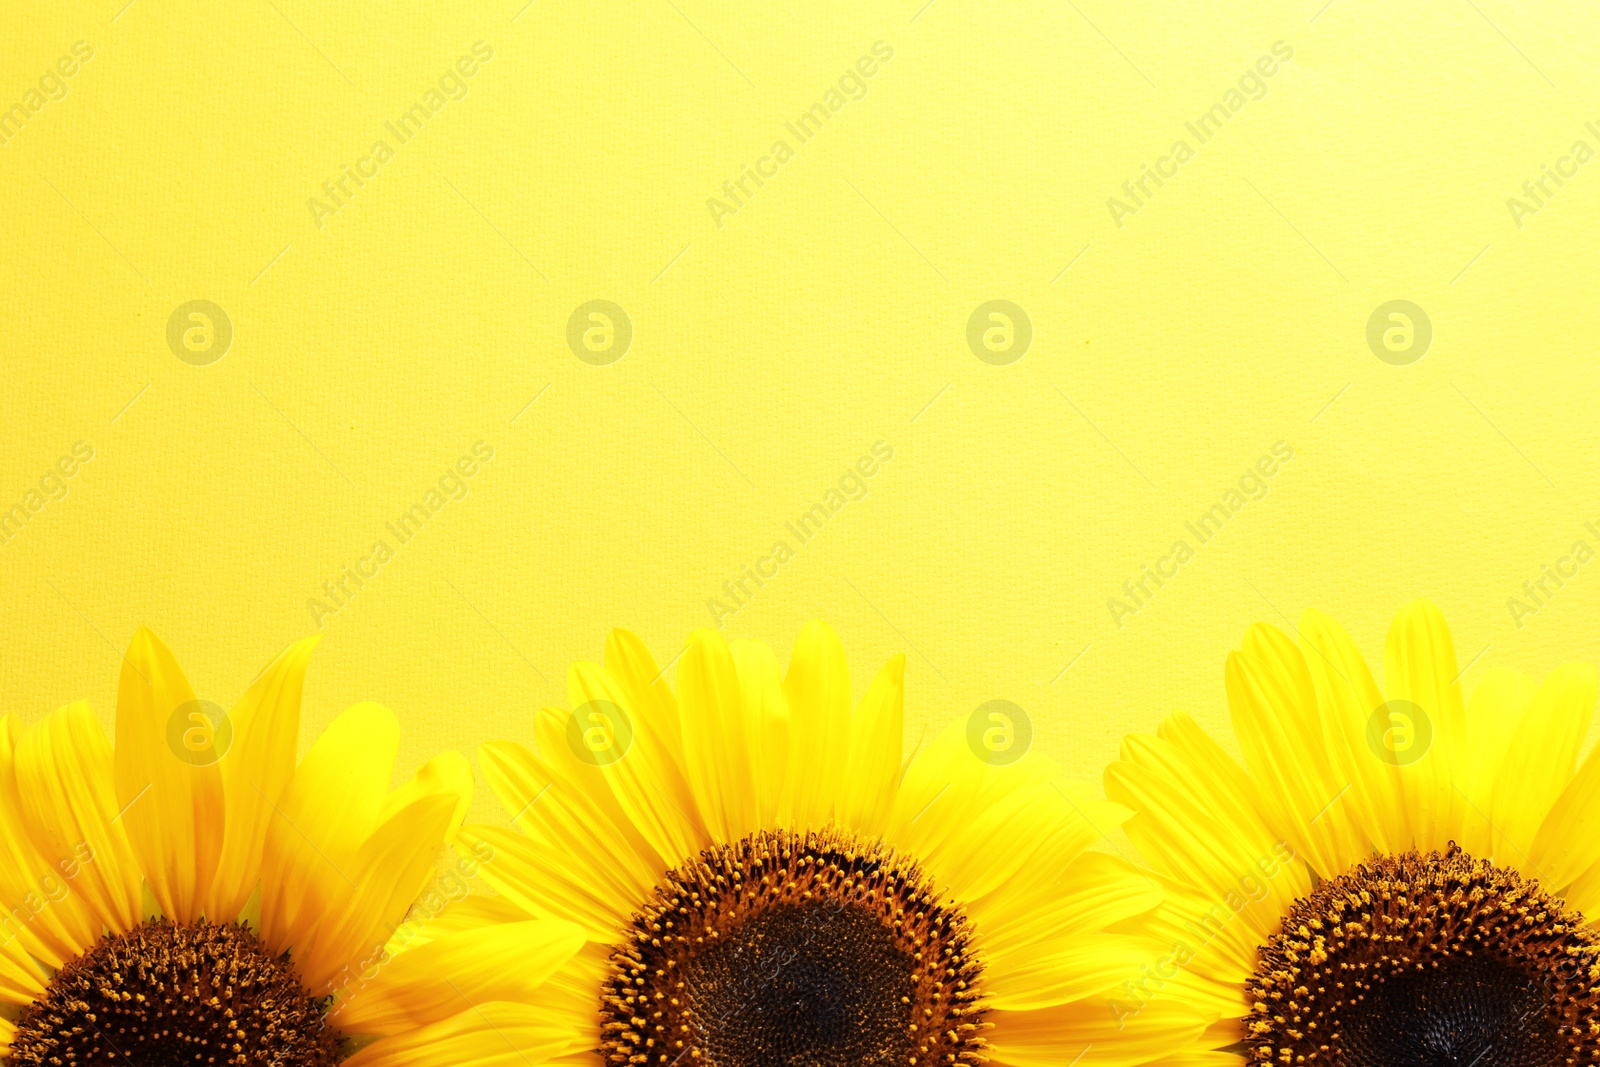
795, 950
1426, 961
166, 994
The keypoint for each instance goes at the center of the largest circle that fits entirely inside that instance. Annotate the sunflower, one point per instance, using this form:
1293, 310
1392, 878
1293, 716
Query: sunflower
1393, 878
192, 896
762, 881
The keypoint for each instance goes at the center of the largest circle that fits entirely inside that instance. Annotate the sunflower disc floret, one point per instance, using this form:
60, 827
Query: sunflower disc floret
799, 950
1427, 958
177, 993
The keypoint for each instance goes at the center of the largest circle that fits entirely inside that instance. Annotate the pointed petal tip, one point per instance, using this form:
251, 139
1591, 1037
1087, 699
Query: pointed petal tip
622, 645
1234, 667
305, 645
1261, 637
1316, 617
144, 644
706, 636
373, 714
1419, 628
293, 657
818, 629
1420, 612
817, 642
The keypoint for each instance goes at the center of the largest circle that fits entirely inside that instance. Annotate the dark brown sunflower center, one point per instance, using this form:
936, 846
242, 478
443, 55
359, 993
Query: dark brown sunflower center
173, 994
795, 950
1436, 960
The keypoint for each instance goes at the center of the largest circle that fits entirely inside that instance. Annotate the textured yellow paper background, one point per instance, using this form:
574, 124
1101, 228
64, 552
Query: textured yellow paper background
773, 346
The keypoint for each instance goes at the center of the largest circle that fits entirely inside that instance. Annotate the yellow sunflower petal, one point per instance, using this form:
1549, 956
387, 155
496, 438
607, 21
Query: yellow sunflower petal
1093, 1033
972, 823
256, 770
65, 786
562, 857
447, 773
1567, 843
495, 1034
1047, 973
1214, 952
979, 827
872, 768
628, 659
49, 921
715, 739
570, 994
1583, 894
656, 718
767, 726
1050, 828
1200, 1057
473, 910
450, 974
817, 688
646, 782
379, 885
1061, 893
1222, 1038
536, 879
176, 826
1198, 820
1277, 719
1419, 665
1498, 703
1349, 698
1539, 760
575, 776
22, 981
329, 808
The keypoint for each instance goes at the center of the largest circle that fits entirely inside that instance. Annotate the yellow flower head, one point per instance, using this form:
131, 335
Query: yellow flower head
762, 878
125, 873
1395, 876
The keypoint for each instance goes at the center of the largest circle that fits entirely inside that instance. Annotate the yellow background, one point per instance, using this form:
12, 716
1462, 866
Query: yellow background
1228, 313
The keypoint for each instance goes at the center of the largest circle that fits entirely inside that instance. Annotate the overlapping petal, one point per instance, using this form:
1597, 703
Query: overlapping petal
1335, 771
740, 748
179, 820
